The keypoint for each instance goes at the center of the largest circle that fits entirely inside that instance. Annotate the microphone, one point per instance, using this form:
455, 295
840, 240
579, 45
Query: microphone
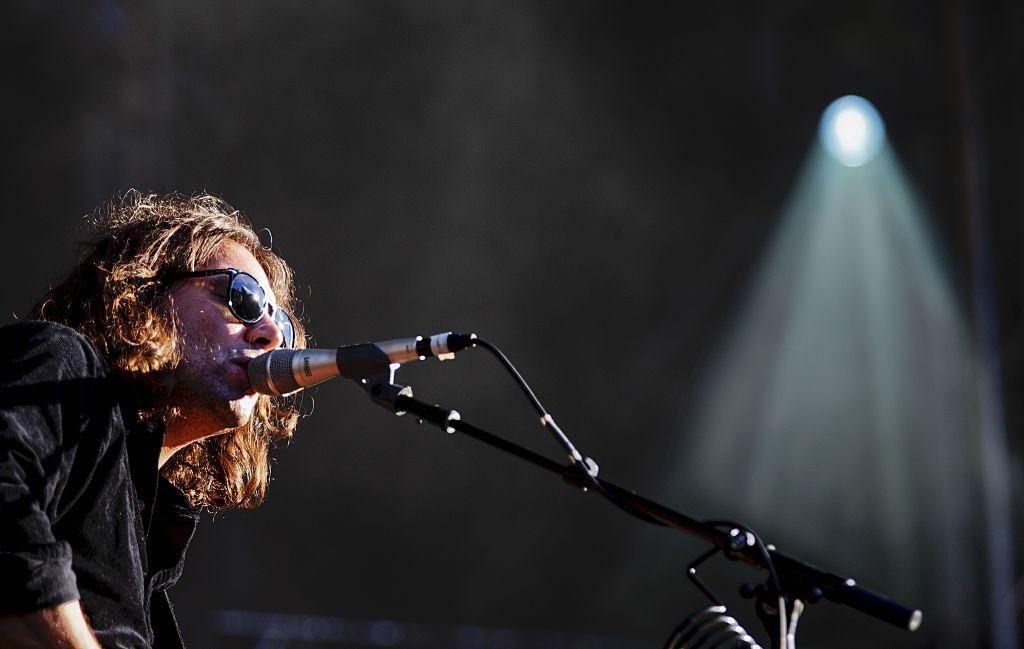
283, 371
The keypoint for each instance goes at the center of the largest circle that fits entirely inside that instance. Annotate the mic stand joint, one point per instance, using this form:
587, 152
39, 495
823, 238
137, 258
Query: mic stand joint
387, 395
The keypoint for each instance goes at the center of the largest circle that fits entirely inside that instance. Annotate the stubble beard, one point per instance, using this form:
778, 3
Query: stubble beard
203, 397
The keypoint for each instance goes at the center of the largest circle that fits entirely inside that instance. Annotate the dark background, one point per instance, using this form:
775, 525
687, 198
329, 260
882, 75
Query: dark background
575, 181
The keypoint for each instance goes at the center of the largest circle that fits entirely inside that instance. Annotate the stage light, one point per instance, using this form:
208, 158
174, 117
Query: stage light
833, 413
852, 130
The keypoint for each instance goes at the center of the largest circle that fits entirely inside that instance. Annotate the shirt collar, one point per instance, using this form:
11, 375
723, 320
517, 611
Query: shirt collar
145, 438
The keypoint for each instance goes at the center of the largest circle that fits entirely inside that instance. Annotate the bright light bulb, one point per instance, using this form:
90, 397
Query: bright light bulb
852, 130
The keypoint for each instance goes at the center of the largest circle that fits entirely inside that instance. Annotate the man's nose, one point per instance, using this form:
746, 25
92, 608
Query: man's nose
264, 333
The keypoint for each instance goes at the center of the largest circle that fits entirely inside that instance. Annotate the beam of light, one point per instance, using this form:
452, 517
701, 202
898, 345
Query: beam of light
837, 417
852, 130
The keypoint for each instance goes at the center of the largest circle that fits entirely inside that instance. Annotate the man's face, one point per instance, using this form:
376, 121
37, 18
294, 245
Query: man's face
212, 390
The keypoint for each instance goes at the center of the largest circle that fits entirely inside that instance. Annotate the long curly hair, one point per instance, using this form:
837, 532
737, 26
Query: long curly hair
115, 297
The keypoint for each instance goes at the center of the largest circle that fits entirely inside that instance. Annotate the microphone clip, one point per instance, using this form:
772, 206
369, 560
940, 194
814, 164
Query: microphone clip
372, 369
386, 393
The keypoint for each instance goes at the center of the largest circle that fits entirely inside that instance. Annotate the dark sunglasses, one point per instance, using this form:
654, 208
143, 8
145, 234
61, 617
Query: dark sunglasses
247, 300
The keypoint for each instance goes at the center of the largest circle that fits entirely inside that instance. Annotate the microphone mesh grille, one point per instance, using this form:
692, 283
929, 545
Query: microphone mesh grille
257, 371
280, 373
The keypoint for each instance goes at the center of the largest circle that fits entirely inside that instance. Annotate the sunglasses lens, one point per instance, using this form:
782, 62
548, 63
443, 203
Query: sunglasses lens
249, 301
287, 327
247, 298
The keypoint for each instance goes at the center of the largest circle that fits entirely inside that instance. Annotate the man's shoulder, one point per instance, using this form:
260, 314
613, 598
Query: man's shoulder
35, 342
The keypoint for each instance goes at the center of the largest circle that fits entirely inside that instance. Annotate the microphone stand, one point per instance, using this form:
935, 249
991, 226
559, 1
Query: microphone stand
801, 582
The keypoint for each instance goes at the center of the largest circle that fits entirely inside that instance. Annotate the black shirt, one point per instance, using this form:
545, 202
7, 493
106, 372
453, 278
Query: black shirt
83, 512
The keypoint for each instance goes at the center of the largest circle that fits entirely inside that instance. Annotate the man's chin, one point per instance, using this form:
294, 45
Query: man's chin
242, 409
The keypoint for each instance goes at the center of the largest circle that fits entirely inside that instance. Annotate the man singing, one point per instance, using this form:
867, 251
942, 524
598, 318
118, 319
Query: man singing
125, 410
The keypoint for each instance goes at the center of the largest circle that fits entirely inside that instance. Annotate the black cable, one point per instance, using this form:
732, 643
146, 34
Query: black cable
579, 460
769, 563
575, 457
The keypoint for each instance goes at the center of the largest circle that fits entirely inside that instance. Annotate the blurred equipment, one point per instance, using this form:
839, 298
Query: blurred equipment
710, 628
